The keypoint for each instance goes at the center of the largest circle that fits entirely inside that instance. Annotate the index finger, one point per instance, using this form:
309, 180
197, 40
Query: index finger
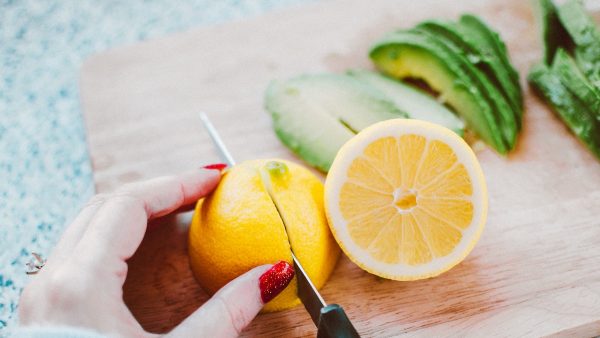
120, 224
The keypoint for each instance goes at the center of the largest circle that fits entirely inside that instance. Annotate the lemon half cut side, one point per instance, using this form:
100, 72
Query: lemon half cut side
406, 199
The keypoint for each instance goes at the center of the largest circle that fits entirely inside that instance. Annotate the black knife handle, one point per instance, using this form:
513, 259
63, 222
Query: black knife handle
333, 323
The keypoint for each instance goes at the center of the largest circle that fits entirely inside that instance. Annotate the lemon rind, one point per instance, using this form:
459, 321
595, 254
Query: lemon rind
338, 175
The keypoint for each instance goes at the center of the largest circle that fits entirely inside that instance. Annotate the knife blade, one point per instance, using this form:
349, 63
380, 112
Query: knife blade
330, 320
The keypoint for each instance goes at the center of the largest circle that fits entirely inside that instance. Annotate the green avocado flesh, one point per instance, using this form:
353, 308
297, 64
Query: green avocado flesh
575, 81
417, 55
417, 104
314, 115
479, 50
582, 122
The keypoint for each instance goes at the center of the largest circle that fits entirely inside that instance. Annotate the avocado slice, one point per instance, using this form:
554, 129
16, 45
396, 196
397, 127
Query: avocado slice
585, 34
583, 123
417, 104
480, 51
413, 54
505, 117
314, 115
575, 81
554, 34
475, 25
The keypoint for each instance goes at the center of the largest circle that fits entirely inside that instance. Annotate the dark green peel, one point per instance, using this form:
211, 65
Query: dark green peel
495, 42
479, 51
582, 122
503, 115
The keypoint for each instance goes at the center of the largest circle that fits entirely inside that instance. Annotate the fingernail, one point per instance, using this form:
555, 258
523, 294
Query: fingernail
275, 280
216, 166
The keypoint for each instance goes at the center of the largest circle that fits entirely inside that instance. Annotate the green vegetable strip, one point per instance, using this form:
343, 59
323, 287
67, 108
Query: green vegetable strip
575, 81
554, 34
585, 34
573, 112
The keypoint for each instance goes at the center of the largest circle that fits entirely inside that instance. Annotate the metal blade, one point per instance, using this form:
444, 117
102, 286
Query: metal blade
310, 297
216, 138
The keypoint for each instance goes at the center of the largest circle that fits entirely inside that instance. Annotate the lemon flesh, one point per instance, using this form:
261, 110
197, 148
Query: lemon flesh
406, 199
239, 227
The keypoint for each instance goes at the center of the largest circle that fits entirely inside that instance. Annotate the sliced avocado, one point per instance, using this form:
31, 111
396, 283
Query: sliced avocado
314, 115
572, 111
417, 104
411, 54
585, 34
480, 51
505, 117
554, 34
575, 81
494, 42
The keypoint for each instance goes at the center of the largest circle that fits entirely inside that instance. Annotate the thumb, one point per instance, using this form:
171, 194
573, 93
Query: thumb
233, 307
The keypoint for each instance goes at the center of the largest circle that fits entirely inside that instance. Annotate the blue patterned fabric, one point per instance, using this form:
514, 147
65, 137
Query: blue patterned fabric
45, 173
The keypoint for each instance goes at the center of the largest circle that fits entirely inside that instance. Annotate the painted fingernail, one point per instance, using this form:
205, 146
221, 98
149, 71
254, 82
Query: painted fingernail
216, 166
275, 280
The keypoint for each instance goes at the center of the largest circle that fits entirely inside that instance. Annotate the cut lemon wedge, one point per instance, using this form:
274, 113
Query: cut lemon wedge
406, 199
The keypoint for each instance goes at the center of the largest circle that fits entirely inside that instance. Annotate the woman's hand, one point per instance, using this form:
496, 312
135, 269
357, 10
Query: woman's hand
81, 284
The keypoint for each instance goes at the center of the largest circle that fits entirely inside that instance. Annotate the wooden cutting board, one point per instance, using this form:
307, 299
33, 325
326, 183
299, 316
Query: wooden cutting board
536, 270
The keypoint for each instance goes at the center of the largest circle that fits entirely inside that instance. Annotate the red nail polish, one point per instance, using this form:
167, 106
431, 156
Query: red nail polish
216, 166
275, 280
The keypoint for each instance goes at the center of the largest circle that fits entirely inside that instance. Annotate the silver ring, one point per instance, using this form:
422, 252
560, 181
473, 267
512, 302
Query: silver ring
35, 264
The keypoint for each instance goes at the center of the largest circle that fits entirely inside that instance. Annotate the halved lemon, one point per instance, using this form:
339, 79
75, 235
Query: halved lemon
406, 199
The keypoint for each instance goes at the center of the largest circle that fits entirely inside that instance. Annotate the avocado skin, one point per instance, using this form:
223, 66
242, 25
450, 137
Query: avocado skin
391, 46
495, 42
554, 34
586, 37
575, 81
479, 50
569, 108
504, 115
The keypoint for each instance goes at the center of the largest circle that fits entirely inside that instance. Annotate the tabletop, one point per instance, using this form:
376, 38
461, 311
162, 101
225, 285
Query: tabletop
533, 272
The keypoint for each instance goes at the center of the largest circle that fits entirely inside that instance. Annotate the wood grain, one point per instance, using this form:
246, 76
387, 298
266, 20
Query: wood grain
535, 271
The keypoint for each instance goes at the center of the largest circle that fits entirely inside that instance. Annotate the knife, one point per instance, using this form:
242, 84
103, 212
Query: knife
331, 320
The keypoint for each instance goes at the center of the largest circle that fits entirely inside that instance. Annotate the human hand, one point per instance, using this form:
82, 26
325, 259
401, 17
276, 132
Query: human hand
81, 285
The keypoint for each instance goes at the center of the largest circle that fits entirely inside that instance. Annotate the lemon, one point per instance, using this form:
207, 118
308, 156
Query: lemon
239, 227
406, 199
